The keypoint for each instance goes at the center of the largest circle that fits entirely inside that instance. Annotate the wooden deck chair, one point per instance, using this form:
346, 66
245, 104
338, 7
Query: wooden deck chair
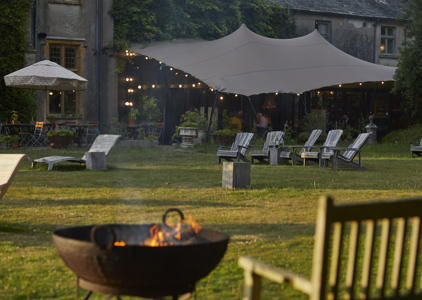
9, 164
332, 139
361, 251
346, 159
238, 148
103, 143
415, 150
260, 155
295, 157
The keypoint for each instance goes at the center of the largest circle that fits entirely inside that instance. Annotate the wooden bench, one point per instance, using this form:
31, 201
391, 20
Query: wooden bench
9, 164
361, 251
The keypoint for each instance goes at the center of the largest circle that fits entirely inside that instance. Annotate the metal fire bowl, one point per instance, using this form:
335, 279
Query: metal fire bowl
138, 270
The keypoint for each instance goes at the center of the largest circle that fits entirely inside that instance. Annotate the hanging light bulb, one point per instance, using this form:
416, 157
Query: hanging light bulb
139, 86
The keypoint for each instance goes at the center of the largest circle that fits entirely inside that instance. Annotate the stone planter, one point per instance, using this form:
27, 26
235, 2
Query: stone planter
60, 142
187, 134
202, 135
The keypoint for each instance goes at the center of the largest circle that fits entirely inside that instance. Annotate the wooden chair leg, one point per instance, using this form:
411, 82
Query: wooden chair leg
252, 288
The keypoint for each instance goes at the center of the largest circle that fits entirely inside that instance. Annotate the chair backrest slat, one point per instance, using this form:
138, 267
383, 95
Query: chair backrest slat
367, 250
357, 144
242, 139
272, 136
332, 138
311, 140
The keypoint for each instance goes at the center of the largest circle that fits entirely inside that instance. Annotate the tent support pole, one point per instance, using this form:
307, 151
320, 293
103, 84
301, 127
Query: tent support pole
168, 98
373, 99
210, 122
253, 109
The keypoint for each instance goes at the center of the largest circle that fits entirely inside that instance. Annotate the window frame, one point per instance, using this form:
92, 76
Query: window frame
63, 43
328, 24
387, 38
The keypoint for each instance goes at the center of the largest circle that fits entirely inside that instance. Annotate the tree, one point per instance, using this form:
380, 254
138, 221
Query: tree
409, 72
13, 21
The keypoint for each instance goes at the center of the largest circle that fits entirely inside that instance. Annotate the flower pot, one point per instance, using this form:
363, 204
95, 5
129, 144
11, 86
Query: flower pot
187, 134
132, 121
14, 145
78, 121
15, 122
59, 142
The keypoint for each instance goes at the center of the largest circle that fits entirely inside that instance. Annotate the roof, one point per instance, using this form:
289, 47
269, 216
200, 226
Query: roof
246, 63
382, 9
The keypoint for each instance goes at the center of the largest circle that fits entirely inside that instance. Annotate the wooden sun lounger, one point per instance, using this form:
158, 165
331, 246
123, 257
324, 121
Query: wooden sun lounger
103, 143
238, 148
260, 155
9, 164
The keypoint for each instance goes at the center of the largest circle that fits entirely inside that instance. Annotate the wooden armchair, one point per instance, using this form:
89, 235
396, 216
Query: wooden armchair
361, 251
238, 148
260, 155
415, 149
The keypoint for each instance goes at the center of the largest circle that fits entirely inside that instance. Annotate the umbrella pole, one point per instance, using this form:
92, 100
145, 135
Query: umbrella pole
45, 104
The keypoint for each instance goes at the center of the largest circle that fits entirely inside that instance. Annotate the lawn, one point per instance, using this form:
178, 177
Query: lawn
272, 221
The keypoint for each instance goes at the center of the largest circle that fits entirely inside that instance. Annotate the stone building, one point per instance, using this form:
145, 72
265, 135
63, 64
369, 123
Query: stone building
78, 34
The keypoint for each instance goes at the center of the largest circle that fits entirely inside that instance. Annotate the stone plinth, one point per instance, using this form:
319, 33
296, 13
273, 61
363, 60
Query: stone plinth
372, 128
236, 175
274, 158
96, 161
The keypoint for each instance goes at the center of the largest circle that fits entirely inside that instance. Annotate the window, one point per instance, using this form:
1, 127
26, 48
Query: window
324, 28
67, 53
387, 40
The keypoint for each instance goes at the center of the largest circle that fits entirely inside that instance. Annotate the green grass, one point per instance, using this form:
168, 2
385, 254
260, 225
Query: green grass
272, 221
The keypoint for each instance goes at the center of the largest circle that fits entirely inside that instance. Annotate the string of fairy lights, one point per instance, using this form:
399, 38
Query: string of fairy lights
139, 86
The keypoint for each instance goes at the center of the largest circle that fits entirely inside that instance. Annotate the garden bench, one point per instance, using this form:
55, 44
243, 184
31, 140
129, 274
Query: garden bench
361, 251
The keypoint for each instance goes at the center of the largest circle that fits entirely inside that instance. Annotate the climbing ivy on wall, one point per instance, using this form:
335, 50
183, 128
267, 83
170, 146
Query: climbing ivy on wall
13, 32
143, 21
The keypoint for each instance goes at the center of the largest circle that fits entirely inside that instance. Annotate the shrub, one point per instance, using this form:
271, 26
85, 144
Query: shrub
62, 132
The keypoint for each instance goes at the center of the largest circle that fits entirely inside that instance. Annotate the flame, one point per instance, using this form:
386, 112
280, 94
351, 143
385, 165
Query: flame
162, 236
119, 244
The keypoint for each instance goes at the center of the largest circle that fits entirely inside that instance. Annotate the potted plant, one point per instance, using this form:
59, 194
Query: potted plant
52, 120
202, 122
132, 115
223, 137
60, 138
14, 141
187, 129
79, 116
14, 117
4, 141
151, 114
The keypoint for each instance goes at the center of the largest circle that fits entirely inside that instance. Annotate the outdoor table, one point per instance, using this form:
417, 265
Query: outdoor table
24, 130
336, 153
132, 131
78, 130
274, 155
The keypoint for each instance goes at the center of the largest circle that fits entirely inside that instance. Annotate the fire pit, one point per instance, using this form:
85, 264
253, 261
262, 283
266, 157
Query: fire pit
114, 259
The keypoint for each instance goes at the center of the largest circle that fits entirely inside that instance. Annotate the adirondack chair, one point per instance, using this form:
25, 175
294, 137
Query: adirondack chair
9, 164
260, 155
332, 139
346, 159
238, 148
295, 157
103, 143
415, 150
361, 251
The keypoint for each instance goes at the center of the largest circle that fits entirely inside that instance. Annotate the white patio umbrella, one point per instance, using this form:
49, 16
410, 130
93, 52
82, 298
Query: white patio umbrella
46, 75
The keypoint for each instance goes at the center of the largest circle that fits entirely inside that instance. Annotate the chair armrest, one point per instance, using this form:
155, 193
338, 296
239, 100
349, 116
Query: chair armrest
255, 267
242, 146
